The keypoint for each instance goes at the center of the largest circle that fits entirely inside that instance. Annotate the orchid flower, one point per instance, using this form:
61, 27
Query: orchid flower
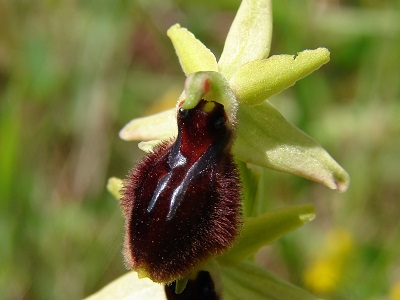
242, 81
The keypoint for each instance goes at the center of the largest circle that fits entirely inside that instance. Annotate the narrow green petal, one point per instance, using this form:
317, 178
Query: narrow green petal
254, 82
114, 186
130, 287
249, 37
262, 230
155, 127
249, 281
193, 55
266, 139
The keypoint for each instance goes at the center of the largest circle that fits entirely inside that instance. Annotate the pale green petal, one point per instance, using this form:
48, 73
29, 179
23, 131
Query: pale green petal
256, 81
149, 145
249, 37
264, 229
130, 287
193, 55
249, 281
155, 127
114, 186
266, 139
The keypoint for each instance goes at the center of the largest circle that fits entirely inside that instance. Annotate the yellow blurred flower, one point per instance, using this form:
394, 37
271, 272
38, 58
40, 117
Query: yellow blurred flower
324, 274
394, 293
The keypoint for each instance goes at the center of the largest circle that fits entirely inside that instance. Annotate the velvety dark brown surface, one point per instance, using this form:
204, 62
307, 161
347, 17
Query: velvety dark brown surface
182, 202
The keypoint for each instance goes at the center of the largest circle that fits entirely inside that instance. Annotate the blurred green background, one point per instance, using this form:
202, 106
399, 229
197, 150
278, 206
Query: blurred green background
72, 73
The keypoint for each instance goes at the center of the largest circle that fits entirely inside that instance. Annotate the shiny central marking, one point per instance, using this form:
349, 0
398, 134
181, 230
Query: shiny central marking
202, 136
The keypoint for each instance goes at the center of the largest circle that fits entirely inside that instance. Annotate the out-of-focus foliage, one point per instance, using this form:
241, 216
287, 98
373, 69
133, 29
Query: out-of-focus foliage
72, 73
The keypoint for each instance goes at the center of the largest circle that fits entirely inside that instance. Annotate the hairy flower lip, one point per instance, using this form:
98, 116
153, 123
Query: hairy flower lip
182, 202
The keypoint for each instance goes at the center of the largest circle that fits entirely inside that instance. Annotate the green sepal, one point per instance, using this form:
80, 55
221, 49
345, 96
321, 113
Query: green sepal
249, 37
262, 230
249, 179
265, 138
193, 55
249, 281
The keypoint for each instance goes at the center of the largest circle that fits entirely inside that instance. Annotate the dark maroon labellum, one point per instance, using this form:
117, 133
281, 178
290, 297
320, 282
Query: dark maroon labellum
182, 202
